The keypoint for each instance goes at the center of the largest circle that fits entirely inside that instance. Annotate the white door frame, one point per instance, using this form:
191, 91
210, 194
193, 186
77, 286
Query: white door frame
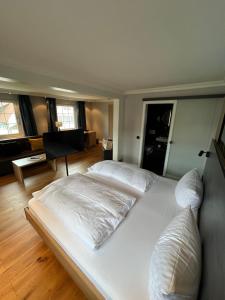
116, 120
143, 127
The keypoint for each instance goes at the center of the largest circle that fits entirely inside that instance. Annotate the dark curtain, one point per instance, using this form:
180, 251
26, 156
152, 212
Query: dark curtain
27, 115
52, 114
81, 115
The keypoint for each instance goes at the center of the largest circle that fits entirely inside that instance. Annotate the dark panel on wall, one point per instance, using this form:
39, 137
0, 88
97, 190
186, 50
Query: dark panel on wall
212, 230
193, 97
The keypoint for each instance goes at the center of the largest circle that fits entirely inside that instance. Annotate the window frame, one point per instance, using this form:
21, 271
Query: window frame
74, 115
18, 120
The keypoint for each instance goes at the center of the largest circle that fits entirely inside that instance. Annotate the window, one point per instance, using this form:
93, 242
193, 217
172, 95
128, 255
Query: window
8, 119
65, 115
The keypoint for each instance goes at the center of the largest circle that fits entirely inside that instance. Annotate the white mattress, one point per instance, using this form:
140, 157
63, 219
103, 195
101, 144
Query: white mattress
120, 268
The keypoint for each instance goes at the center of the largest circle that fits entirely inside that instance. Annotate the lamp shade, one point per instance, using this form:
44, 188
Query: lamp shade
58, 124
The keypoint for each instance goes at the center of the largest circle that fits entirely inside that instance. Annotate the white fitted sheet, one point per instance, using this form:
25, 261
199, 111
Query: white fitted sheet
120, 268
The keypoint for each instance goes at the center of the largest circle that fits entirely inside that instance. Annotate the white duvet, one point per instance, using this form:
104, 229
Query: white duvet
86, 206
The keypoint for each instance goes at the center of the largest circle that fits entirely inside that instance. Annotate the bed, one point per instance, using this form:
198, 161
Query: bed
109, 272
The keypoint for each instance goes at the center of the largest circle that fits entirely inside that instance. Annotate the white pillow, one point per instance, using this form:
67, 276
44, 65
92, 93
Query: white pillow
131, 175
176, 261
189, 190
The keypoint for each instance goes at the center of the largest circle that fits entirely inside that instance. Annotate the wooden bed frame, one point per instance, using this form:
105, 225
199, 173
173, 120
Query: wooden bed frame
88, 288
212, 231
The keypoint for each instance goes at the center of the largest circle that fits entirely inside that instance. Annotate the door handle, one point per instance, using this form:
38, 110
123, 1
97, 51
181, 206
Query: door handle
207, 153
170, 142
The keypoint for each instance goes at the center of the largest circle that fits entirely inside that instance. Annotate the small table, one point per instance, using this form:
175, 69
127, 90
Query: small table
19, 164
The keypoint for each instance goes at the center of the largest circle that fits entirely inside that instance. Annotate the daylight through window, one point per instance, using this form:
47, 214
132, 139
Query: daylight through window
65, 115
8, 121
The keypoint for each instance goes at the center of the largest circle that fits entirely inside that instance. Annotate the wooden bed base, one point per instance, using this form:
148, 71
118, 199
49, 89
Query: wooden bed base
88, 288
212, 231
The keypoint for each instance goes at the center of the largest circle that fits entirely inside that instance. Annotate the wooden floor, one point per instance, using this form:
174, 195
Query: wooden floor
28, 269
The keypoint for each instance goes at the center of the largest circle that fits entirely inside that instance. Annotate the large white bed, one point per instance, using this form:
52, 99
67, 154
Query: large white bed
120, 267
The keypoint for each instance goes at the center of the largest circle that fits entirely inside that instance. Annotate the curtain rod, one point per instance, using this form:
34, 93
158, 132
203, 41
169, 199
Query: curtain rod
186, 97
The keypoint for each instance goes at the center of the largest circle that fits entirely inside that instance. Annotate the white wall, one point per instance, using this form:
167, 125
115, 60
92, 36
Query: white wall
88, 112
6, 96
110, 121
40, 113
195, 124
98, 116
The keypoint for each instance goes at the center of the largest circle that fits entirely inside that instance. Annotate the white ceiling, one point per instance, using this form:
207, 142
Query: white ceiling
16, 81
117, 45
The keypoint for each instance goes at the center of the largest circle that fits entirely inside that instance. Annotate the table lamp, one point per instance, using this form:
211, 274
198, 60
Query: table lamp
58, 125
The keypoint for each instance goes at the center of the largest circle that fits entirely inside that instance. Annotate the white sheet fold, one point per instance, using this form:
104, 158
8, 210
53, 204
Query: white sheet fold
88, 207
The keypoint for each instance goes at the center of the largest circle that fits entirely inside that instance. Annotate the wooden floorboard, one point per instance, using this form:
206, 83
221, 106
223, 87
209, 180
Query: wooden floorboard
28, 269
